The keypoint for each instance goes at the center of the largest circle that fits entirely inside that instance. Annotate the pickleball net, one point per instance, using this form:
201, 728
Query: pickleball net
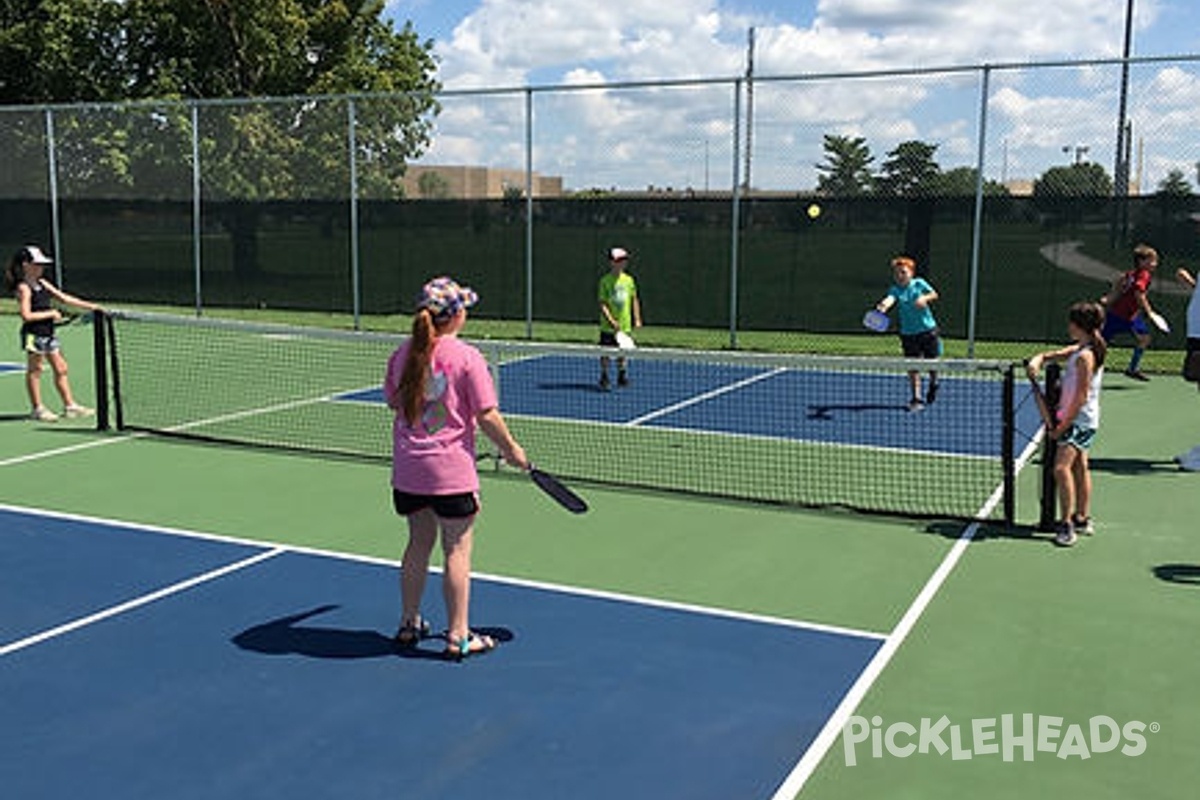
785, 429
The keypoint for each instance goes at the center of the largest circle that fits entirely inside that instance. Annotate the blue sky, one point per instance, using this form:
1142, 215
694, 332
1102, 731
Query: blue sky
683, 137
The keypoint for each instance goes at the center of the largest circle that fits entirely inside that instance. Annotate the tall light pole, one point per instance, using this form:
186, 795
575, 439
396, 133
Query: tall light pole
749, 154
1121, 167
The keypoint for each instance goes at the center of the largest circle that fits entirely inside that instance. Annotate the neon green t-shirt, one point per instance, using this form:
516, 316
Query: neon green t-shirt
618, 292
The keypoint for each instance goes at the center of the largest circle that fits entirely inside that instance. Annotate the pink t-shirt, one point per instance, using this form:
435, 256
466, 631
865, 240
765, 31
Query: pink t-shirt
437, 455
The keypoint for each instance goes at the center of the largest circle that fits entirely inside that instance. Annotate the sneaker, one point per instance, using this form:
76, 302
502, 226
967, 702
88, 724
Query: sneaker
76, 411
916, 404
43, 414
622, 379
604, 383
1137, 375
1065, 535
931, 395
1083, 525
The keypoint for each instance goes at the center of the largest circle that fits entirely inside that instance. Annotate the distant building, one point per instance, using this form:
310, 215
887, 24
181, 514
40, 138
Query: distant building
459, 182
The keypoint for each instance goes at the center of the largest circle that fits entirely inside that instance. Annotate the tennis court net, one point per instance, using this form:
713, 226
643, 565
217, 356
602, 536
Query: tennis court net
799, 430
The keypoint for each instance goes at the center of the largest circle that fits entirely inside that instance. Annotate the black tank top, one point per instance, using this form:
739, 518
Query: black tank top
39, 301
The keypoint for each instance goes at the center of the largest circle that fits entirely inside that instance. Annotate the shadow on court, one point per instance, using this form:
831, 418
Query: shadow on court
1132, 466
1178, 573
953, 529
571, 386
826, 412
285, 636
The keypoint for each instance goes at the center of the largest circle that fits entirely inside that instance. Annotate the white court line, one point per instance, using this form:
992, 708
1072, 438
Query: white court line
75, 448
488, 577
137, 602
701, 398
812, 757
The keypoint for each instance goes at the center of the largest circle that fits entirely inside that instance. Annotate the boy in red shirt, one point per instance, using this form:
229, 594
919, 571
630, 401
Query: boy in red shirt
1129, 307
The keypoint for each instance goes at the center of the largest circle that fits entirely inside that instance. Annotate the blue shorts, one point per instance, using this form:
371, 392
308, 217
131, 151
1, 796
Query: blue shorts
1078, 437
1114, 325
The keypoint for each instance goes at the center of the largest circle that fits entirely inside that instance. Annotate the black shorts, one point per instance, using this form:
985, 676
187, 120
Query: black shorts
447, 506
921, 345
608, 338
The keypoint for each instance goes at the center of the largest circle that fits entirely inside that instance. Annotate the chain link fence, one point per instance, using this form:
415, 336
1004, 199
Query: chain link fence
759, 213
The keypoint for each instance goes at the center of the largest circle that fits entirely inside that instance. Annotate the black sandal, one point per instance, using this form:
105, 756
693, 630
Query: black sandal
412, 632
473, 644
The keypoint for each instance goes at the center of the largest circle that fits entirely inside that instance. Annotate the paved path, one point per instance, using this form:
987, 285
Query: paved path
1066, 256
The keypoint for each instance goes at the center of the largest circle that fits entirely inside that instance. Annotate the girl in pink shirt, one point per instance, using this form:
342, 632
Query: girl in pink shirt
440, 389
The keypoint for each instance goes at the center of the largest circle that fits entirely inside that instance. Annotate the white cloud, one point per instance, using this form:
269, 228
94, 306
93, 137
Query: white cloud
678, 136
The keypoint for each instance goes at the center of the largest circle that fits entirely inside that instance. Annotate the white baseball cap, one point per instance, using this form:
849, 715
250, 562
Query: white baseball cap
31, 252
618, 254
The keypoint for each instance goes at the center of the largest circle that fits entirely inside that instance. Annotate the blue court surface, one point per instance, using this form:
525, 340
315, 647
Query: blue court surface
864, 409
4, 368
140, 664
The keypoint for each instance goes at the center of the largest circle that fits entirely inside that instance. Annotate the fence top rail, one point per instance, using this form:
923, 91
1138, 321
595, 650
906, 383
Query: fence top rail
664, 83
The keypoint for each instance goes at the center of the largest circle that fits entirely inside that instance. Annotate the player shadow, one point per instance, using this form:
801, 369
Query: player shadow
1178, 573
1132, 466
285, 636
15, 417
571, 386
988, 531
826, 412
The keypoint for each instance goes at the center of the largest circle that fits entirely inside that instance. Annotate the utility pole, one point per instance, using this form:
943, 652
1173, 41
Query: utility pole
749, 107
1121, 168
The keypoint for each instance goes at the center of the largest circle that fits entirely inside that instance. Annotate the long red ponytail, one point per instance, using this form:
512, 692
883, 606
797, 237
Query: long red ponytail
415, 374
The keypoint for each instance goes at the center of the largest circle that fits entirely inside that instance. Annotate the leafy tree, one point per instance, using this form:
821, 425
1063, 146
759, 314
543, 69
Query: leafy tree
1174, 185
960, 182
1085, 179
167, 50
846, 171
910, 171
433, 186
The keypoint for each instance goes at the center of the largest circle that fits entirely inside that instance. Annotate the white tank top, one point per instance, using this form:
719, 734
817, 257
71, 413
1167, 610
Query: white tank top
1089, 412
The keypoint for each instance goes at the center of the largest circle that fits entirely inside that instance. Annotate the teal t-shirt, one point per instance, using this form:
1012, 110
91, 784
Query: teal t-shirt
913, 320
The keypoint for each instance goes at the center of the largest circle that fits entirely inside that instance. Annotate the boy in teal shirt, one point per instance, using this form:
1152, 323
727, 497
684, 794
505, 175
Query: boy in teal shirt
620, 311
918, 329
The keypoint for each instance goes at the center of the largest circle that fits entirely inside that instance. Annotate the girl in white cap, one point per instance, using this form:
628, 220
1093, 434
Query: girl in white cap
440, 389
35, 294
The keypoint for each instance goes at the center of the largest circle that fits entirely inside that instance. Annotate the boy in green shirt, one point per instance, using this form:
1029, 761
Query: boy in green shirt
620, 311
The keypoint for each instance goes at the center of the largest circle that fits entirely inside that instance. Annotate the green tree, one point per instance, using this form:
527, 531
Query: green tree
846, 170
1085, 179
1175, 185
960, 182
167, 50
910, 171
433, 186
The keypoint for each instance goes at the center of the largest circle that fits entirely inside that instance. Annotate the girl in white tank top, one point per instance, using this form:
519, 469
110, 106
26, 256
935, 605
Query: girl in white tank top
1078, 417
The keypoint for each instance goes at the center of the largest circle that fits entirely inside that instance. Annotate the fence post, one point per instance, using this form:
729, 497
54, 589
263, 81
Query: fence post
55, 222
735, 214
197, 211
977, 227
528, 212
355, 264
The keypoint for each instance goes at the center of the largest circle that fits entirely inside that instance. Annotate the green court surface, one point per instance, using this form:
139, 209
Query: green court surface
1017, 627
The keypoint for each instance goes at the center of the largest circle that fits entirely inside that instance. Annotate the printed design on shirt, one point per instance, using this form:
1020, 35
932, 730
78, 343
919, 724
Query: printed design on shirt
435, 415
619, 296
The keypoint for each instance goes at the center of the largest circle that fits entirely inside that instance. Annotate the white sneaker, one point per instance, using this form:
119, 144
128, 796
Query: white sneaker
76, 411
1065, 534
43, 414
